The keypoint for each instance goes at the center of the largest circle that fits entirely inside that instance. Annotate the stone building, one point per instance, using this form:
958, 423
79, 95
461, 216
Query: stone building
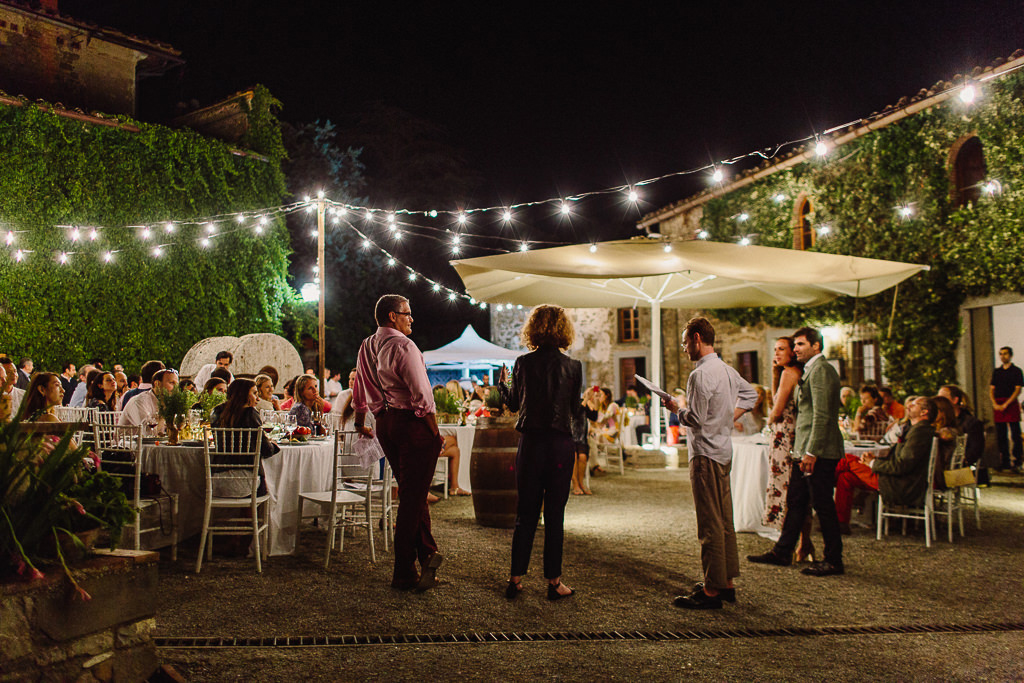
49, 56
957, 140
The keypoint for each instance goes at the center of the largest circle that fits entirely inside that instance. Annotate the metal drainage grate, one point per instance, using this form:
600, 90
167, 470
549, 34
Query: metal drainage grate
173, 642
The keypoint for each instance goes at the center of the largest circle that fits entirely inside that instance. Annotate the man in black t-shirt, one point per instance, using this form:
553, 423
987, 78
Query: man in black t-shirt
1007, 380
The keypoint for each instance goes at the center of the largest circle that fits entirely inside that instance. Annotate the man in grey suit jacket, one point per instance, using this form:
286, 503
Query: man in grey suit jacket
816, 452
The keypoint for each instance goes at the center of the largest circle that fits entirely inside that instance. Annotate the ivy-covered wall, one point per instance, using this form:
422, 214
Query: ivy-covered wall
60, 171
857, 190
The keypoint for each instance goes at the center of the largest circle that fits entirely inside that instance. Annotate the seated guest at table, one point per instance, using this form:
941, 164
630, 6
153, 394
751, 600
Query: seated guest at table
133, 383
902, 477
947, 429
214, 385
308, 406
149, 368
102, 392
974, 428
271, 372
188, 385
44, 393
848, 402
451, 451
265, 399
871, 421
121, 380
81, 392
143, 408
239, 412
893, 408
15, 396
289, 395
67, 377
859, 474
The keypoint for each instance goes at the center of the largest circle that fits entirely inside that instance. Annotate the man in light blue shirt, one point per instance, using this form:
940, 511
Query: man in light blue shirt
716, 397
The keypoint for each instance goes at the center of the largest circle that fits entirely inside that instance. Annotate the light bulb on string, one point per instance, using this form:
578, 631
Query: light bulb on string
205, 241
341, 211
436, 287
968, 94
821, 148
633, 195
209, 228
462, 218
523, 246
566, 208
397, 235
744, 241
305, 198
743, 217
93, 235
369, 215
314, 233
824, 230
63, 258
145, 233
905, 212
506, 216
391, 261
391, 218
451, 296
169, 228
456, 249
456, 239
263, 220
483, 305
158, 252
593, 248
779, 198
703, 235
10, 237
18, 256
366, 243
668, 247
108, 257
320, 194
240, 218
75, 234
412, 276
259, 229
718, 176
432, 213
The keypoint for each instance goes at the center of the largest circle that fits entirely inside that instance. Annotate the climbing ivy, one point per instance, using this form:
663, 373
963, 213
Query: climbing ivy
61, 171
972, 250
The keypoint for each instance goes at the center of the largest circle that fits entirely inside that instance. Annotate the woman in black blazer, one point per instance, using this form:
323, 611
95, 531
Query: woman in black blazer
545, 388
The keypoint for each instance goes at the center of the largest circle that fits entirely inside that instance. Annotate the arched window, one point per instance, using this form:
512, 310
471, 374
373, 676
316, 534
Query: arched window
803, 224
967, 170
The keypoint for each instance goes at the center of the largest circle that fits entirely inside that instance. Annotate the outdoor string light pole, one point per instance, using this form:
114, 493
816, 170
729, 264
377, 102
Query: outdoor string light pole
321, 211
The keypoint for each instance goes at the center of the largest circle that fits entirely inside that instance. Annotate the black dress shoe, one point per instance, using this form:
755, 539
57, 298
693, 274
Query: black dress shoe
553, 593
823, 569
513, 589
769, 558
727, 594
698, 599
428, 578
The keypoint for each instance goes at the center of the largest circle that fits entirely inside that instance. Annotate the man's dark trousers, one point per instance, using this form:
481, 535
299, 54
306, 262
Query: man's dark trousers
805, 492
411, 449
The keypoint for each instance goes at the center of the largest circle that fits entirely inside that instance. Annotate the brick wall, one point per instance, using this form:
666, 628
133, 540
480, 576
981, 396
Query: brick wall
44, 59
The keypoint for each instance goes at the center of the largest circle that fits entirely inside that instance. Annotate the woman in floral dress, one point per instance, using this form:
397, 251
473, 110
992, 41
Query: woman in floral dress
786, 373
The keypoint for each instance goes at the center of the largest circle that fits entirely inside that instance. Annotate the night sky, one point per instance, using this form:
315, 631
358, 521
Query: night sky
560, 100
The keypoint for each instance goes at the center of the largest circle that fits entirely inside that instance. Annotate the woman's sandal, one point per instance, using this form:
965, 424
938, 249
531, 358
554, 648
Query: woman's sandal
553, 593
513, 589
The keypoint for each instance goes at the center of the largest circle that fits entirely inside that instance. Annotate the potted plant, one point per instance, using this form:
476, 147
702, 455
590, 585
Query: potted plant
449, 408
209, 401
53, 501
499, 416
173, 407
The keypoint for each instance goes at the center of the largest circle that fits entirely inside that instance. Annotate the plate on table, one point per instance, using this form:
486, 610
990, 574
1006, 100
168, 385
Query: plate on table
150, 439
865, 444
190, 443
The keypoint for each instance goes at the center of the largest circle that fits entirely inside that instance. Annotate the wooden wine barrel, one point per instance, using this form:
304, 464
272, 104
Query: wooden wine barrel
492, 474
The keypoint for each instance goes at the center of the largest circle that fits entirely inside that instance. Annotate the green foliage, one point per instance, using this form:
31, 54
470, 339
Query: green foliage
59, 171
44, 495
972, 250
210, 400
175, 402
493, 399
446, 403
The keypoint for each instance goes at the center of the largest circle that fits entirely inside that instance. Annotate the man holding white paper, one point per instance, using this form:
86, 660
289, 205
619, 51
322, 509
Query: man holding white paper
718, 396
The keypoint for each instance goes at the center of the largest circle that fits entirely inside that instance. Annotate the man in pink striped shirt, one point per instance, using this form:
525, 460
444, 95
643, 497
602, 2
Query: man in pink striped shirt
391, 382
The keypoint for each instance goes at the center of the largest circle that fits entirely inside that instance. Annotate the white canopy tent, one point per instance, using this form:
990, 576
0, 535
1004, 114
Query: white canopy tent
470, 350
693, 274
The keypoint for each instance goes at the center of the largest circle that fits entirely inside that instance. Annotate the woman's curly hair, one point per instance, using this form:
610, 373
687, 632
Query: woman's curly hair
548, 325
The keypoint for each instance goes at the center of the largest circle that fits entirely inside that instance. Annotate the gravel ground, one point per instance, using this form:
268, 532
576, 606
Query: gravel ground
629, 549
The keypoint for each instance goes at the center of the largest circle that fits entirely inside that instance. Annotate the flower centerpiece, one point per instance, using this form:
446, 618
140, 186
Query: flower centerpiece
173, 407
53, 501
209, 401
449, 408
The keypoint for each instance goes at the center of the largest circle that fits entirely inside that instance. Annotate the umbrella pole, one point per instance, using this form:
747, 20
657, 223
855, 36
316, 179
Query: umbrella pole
656, 371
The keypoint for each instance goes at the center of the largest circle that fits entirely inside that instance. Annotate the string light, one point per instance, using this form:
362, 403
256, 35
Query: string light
93, 235
905, 212
506, 216
145, 233
991, 188
524, 246
718, 176
75, 234
779, 198
19, 255
391, 261
824, 230
968, 94
821, 148
633, 195
205, 241
169, 228
667, 248
593, 248
703, 235
10, 237
240, 218
744, 241
412, 276
566, 209
157, 251
451, 296
462, 218
743, 217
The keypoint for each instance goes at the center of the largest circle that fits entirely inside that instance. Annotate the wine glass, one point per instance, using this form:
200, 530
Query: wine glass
290, 424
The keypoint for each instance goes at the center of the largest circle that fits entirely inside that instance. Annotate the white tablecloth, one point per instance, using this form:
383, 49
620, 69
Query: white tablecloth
749, 483
464, 435
300, 467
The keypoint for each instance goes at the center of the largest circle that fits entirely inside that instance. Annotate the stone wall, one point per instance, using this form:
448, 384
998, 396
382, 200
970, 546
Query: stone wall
45, 59
49, 633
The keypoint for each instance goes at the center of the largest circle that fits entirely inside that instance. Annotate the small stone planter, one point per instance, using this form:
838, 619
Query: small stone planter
49, 633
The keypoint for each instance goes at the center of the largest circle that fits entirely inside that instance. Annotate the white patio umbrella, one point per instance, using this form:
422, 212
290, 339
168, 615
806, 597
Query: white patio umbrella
692, 274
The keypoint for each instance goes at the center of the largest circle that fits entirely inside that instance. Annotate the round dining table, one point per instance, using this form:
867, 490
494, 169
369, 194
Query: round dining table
299, 467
